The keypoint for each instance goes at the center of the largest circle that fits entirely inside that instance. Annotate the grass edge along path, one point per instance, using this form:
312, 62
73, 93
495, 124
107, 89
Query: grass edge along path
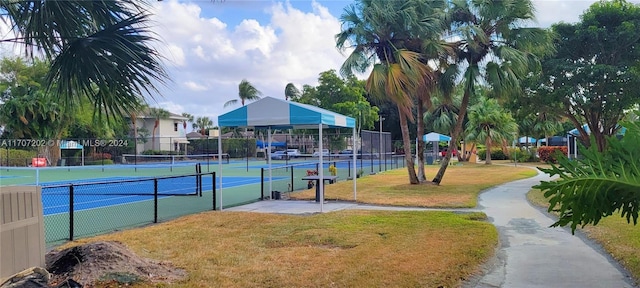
352, 248
619, 239
459, 189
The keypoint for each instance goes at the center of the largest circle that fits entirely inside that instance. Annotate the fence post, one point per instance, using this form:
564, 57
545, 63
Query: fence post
349, 169
213, 190
261, 183
199, 179
291, 190
71, 212
155, 200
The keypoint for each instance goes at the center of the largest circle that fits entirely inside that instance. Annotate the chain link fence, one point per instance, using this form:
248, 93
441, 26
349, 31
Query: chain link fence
82, 209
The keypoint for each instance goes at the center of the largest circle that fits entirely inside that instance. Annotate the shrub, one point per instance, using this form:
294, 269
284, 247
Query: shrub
17, 157
548, 154
100, 156
159, 152
496, 154
99, 162
522, 155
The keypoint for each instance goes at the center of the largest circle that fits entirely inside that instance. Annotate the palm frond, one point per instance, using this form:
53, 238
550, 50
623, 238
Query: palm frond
112, 67
597, 185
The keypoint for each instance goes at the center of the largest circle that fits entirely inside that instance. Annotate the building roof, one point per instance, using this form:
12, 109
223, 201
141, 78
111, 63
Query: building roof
278, 113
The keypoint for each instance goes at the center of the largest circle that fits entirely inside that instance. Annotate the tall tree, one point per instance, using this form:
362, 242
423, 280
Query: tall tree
290, 92
157, 114
594, 76
97, 49
203, 124
246, 92
382, 33
25, 110
495, 48
489, 123
190, 119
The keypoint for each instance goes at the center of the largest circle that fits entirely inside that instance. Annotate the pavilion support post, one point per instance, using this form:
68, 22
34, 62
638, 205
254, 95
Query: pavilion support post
219, 165
355, 172
321, 170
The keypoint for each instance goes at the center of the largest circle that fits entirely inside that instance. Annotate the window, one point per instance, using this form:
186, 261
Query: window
175, 126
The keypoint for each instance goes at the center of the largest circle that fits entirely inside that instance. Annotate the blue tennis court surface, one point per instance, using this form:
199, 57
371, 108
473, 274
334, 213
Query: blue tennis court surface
55, 195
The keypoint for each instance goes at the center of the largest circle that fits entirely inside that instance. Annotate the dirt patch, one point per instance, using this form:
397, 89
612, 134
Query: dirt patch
102, 263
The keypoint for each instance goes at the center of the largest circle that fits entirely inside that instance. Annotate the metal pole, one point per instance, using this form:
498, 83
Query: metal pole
321, 170
261, 183
354, 175
380, 145
246, 146
71, 213
213, 189
269, 159
155, 200
220, 163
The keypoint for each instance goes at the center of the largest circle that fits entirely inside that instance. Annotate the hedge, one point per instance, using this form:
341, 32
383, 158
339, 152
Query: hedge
548, 154
523, 155
99, 162
20, 158
496, 154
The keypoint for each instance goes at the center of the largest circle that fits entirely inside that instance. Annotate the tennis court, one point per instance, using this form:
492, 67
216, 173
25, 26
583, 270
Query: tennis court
105, 192
130, 202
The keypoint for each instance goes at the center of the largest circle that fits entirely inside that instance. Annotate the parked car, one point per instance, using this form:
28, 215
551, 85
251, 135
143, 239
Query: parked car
279, 155
325, 153
293, 153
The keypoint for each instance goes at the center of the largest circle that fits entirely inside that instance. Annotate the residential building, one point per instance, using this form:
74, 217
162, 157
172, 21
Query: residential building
170, 134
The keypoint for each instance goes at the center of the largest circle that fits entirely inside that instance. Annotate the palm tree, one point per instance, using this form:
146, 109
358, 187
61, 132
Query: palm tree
488, 123
246, 92
492, 35
547, 125
157, 114
97, 49
133, 116
386, 35
189, 119
291, 92
203, 123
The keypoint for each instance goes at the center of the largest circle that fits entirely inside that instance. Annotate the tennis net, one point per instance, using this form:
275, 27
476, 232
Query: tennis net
174, 159
184, 185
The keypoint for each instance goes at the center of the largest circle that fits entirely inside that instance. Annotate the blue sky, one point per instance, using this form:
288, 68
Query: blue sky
233, 12
211, 46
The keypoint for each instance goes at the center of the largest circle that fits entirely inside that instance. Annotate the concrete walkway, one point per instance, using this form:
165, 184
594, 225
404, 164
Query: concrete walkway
530, 254
533, 255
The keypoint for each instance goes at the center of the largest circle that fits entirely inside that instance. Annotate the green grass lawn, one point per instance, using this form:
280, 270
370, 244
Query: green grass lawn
341, 249
353, 248
459, 188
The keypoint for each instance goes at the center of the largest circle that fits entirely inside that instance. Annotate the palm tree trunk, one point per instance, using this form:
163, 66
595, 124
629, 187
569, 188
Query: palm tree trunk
487, 143
420, 121
153, 137
413, 178
135, 132
457, 130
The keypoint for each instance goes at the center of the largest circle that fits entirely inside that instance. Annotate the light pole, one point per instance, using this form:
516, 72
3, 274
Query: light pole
380, 119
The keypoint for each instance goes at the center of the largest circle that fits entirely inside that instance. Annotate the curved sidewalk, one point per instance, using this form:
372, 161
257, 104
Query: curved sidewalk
530, 254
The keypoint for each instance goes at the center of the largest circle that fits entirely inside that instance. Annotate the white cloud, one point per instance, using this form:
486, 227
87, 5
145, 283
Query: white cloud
195, 86
553, 11
209, 58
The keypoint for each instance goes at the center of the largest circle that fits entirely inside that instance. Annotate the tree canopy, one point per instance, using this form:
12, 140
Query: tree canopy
99, 50
594, 76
